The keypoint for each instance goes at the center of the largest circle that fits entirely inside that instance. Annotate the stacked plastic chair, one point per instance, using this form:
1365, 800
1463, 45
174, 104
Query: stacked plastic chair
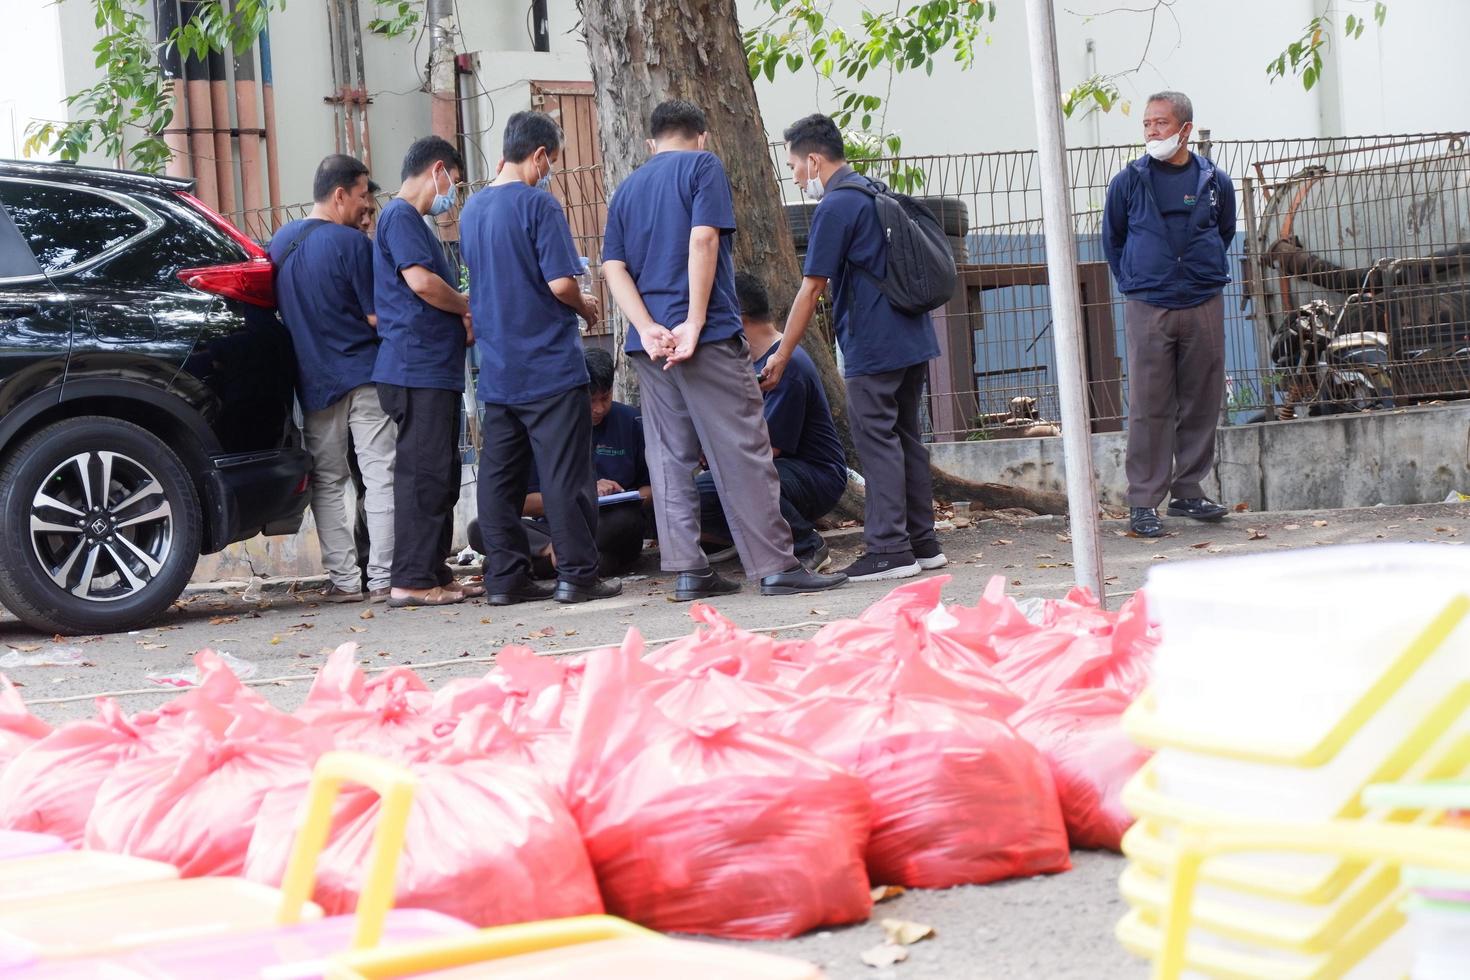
1285, 685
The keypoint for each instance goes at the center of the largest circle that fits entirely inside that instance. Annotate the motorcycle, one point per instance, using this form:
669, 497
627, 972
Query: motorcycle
1328, 366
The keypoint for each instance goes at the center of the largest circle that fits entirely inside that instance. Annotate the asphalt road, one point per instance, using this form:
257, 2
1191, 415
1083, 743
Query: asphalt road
1057, 927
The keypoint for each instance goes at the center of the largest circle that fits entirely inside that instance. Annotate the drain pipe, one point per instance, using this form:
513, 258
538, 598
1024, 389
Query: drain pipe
201, 121
540, 29
341, 111
224, 151
268, 109
247, 121
176, 134
359, 90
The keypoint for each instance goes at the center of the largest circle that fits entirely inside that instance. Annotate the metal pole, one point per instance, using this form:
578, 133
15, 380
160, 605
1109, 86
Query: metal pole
1061, 266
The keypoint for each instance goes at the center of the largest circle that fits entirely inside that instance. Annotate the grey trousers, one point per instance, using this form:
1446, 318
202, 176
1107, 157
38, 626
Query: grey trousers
712, 402
898, 499
373, 439
1176, 380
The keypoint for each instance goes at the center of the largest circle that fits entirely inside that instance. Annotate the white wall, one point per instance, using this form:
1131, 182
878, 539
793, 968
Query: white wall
32, 75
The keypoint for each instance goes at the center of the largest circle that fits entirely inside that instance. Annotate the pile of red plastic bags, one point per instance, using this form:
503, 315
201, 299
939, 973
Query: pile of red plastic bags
728, 783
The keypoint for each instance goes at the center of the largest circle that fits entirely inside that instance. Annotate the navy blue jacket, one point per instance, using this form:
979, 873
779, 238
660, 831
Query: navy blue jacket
1136, 241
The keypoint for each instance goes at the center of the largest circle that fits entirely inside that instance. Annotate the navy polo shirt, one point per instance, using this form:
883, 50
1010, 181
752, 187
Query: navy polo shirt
648, 225
515, 239
875, 338
617, 450
421, 346
325, 295
800, 420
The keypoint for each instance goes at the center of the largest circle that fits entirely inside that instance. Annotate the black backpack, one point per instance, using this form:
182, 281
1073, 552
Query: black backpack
921, 272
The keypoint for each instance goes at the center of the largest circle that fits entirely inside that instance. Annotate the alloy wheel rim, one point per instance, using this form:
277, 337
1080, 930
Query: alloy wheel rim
101, 526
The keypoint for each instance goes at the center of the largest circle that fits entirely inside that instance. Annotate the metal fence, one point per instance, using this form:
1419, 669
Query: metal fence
1350, 269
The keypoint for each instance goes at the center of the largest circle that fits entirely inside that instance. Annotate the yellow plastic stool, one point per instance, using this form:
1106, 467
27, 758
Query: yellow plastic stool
594, 946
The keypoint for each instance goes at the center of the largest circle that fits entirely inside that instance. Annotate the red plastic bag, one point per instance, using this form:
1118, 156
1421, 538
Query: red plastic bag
50, 787
389, 714
193, 801
19, 729
1084, 648
994, 620
488, 842
710, 827
958, 797
904, 664
1081, 735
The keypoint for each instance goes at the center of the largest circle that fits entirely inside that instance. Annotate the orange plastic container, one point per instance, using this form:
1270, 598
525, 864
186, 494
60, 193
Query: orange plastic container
110, 920
25, 881
636, 959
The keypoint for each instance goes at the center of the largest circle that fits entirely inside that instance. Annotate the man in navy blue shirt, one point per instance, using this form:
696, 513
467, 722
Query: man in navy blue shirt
526, 300
667, 257
618, 458
1168, 220
885, 354
804, 441
324, 289
424, 326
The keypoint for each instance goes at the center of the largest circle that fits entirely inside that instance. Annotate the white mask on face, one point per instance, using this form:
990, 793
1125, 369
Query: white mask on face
1162, 150
814, 187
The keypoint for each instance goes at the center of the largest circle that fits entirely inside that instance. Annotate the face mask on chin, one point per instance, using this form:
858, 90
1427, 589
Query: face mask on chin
442, 202
1163, 150
814, 188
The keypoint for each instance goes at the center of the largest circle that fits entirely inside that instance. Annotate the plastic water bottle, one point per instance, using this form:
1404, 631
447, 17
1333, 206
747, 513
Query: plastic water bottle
584, 278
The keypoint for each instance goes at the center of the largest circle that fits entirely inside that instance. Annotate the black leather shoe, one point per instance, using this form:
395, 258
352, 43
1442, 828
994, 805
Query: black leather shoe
603, 588
525, 592
819, 558
798, 580
1198, 508
701, 585
1144, 522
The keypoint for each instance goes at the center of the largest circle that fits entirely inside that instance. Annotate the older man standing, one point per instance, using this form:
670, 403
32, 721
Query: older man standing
1167, 222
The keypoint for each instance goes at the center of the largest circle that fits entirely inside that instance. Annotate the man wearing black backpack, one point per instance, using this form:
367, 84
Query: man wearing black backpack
880, 253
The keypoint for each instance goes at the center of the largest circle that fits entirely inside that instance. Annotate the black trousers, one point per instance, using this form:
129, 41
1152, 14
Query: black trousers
803, 500
426, 475
620, 530
555, 435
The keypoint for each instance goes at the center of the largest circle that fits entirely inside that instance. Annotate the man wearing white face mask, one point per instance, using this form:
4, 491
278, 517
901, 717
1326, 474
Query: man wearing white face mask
885, 353
424, 328
1167, 223
533, 375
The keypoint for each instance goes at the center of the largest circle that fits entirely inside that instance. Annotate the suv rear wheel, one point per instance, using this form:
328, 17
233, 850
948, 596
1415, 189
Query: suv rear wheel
101, 527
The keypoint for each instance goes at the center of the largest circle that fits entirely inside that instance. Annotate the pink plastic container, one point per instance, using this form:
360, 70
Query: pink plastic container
295, 952
21, 844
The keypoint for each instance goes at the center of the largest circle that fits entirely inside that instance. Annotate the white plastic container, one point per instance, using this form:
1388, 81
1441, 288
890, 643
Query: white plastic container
1441, 932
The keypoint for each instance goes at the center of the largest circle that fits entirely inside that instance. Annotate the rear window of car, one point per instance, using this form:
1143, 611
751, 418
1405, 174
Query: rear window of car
67, 226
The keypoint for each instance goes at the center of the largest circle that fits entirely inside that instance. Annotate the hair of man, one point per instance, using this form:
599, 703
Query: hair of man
815, 134
528, 131
599, 370
1178, 102
427, 151
678, 118
337, 170
755, 302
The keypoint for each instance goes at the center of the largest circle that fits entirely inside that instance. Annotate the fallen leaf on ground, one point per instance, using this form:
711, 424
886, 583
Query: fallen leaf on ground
25, 647
1215, 551
1319, 523
543, 631
884, 954
1202, 544
882, 893
1293, 527
485, 621
1064, 538
223, 620
906, 933
357, 629
1251, 534
366, 614
1161, 557
154, 646
1242, 508
1044, 556
1000, 541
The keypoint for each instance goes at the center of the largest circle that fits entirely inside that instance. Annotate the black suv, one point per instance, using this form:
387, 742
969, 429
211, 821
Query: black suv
146, 410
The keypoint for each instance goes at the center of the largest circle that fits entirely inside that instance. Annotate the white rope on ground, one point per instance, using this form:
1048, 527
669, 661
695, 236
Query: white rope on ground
428, 665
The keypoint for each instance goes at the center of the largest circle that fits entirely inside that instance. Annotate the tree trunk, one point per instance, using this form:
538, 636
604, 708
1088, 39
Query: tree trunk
645, 51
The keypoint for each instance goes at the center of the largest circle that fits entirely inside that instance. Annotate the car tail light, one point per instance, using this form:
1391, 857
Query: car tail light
252, 281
